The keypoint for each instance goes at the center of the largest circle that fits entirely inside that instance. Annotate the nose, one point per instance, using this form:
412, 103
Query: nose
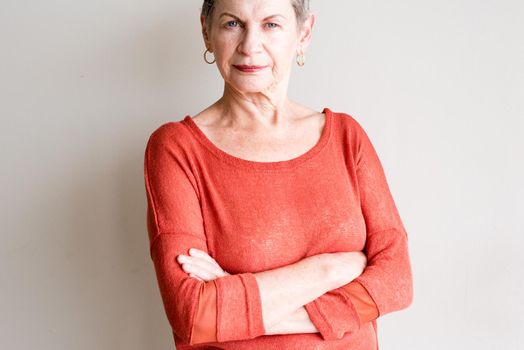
251, 42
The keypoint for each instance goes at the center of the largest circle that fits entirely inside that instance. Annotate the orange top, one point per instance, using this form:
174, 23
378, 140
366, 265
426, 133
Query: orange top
255, 216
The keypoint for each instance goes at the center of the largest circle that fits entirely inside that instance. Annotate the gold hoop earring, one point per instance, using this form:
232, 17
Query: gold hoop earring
205, 57
301, 60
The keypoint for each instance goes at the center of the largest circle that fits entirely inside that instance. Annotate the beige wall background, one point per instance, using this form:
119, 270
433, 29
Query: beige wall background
438, 85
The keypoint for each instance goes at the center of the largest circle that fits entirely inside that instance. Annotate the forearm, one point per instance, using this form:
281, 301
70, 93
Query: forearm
300, 320
296, 322
286, 289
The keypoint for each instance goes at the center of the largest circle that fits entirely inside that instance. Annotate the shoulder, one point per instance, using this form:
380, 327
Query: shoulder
352, 135
171, 142
167, 131
348, 125
170, 149
169, 134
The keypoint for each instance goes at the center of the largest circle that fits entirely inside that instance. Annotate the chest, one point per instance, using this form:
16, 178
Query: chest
256, 221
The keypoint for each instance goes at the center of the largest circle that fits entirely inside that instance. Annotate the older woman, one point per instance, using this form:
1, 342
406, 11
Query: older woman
293, 203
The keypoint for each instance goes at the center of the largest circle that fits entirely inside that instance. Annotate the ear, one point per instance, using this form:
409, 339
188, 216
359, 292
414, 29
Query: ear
306, 32
205, 33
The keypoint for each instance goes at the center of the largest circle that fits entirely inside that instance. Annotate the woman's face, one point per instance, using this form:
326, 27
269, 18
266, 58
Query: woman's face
255, 33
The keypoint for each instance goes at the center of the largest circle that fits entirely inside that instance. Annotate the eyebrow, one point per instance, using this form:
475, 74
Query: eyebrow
232, 15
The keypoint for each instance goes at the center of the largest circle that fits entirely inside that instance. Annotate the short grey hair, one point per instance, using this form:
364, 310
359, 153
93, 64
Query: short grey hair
301, 8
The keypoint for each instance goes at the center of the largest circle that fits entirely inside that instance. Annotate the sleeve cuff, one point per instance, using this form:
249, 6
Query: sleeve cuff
239, 308
204, 325
331, 320
365, 305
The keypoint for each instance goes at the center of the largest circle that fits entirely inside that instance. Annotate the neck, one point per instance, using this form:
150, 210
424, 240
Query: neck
255, 111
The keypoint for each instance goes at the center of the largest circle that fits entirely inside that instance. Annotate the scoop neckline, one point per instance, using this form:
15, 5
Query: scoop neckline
251, 164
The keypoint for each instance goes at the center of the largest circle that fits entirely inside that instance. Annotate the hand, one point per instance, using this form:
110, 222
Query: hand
345, 266
200, 265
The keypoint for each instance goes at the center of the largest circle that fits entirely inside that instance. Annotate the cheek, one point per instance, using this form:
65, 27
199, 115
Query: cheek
282, 58
284, 50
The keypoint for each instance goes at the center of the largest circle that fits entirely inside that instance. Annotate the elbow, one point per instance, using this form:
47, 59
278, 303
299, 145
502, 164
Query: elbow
183, 317
401, 294
404, 287
188, 338
202, 334
182, 332
409, 298
195, 341
187, 332
406, 296
401, 298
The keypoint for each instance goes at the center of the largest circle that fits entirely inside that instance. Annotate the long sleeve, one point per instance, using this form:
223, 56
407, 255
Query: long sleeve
175, 224
204, 328
387, 277
364, 305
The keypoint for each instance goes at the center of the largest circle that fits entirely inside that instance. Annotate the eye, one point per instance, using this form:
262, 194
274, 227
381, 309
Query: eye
232, 24
272, 25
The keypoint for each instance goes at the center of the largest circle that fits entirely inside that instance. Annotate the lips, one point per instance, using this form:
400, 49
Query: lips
247, 68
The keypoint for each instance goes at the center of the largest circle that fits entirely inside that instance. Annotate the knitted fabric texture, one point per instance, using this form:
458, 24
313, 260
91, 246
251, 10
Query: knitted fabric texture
255, 216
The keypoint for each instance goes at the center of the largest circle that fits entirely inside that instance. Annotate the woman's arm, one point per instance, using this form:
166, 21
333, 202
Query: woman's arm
387, 277
300, 322
296, 322
203, 267
175, 224
288, 288
204, 328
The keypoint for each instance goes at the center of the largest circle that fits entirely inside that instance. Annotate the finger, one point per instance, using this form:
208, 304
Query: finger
201, 254
211, 266
206, 272
197, 270
206, 275
197, 273
195, 276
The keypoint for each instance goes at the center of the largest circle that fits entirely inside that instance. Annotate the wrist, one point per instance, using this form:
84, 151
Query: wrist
324, 271
339, 273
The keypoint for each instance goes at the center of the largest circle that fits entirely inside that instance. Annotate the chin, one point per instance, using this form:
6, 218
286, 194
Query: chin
251, 85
